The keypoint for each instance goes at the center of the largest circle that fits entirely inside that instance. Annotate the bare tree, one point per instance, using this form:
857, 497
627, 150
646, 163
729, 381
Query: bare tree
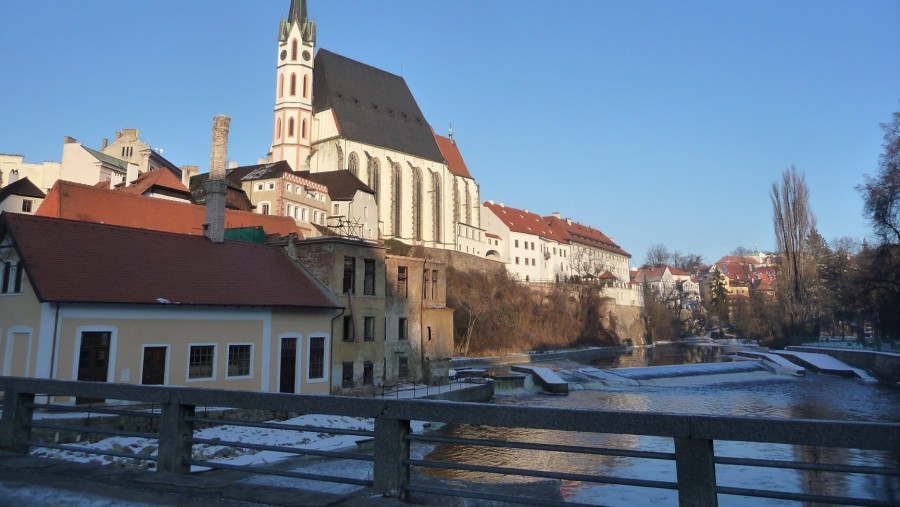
657, 255
881, 193
794, 221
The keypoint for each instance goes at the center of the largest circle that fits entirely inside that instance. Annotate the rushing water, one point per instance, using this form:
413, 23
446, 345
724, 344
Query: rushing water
772, 396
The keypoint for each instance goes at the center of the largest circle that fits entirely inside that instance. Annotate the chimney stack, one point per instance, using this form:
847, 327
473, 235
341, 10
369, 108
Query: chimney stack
216, 186
104, 143
218, 156
69, 140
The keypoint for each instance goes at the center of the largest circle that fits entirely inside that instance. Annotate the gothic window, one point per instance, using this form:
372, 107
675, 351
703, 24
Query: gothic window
455, 204
281, 85
436, 204
294, 50
290, 127
417, 203
293, 85
303, 129
468, 205
353, 163
278, 129
375, 181
305, 87
395, 200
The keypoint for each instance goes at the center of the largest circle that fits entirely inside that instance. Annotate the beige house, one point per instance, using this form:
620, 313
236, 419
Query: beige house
14, 168
21, 196
145, 307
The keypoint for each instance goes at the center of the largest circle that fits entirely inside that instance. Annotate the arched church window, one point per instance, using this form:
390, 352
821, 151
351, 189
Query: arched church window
280, 85
353, 163
455, 204
293, 85
468, 205
305, 87
303, 128
294, 50
436, 205
291, 127
278, 129
375, 181
417, 203
395, 199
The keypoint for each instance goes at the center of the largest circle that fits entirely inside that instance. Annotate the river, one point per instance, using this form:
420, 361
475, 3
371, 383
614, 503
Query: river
772, 396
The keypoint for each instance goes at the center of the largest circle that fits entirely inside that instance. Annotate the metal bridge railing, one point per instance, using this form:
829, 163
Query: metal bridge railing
171, 416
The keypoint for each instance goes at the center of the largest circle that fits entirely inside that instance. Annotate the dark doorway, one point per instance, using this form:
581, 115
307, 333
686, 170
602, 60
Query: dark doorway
154, 370
93, 360
288, 365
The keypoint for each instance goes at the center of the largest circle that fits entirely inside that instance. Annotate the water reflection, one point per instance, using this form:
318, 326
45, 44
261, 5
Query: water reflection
811, 397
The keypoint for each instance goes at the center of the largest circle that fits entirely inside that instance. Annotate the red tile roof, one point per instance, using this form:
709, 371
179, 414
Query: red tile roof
491, 235
110, 264
577, 233
160, 177
451, 154
523, 221
75, 201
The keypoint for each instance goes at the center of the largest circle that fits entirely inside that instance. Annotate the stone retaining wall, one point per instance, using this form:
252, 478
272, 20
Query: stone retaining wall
885, 366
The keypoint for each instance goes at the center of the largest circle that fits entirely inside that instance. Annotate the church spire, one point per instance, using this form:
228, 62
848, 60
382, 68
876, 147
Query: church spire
297, 13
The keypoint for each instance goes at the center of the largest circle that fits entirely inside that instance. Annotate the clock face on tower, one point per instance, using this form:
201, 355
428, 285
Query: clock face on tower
306, 56
283, 54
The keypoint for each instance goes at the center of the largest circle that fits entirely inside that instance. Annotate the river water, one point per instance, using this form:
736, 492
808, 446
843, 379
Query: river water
762, 395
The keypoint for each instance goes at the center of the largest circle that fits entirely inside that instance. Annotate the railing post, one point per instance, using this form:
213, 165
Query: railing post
15, 429
391, 450
175, 432
696, 471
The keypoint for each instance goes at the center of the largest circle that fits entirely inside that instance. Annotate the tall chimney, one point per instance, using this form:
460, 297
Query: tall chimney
216, 186
218, 156
104, 143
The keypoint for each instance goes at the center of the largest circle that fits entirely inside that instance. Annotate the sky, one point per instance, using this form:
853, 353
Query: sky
656, 122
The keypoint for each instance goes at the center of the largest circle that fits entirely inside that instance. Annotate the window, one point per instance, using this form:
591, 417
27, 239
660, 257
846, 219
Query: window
434, 284
317, 358
26, 205
402, 329
303, 128
280, 91
403, 368
239, 357
369, 278
287, 187
517, 260
271, 185
517, 243
347, 374
401, 282
305, 87
353, 163
293, 85
349, 275
294, 50
368, 373
337, 209
277, 136
291, 127
264, 209
259, 186
17, 282
303, 214
425, 279
201, 361
369, 329
348, 328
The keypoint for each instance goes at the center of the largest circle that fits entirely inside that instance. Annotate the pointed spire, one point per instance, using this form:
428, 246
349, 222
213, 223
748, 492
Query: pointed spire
297, 13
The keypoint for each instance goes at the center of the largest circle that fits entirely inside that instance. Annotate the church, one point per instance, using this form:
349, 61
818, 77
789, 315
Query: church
334, 113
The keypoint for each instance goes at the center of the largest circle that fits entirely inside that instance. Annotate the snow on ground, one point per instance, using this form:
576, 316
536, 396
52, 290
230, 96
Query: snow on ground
231, 455
15, 493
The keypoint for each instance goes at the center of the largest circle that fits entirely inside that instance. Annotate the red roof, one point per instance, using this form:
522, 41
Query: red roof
577, 233
75, 201
111, 264
160, 177
491, 235
523, 221
451, 154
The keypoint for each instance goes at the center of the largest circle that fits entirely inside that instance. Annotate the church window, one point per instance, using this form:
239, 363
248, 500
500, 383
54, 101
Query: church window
436, 205
375, 181
293, 85
353, 163
281, 85
291, 127
303, 128
294, 50
455, 204
417, 203
278, 129
468, 205
395, 201
305, 87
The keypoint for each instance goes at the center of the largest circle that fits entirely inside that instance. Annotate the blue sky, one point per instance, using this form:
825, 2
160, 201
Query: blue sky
654, 121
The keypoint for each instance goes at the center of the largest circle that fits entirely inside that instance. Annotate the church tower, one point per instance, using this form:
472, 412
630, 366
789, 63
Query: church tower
292, 127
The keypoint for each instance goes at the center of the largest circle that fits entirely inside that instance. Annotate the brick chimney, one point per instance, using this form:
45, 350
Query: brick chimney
216, 186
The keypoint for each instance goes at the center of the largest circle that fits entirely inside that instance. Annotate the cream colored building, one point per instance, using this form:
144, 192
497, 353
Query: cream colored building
14, 168
174, 317
333, 113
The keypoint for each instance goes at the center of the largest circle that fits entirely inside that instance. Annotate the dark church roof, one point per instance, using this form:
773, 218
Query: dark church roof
372, 106
342, 185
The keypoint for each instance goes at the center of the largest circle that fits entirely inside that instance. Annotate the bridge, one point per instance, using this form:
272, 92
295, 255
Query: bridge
173, 416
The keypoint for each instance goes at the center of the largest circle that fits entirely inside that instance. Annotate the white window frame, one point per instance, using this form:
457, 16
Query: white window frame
215, 360
228, 358
8, 351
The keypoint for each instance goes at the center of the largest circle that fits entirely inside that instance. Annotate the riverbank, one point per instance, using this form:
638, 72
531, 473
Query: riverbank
537, 357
